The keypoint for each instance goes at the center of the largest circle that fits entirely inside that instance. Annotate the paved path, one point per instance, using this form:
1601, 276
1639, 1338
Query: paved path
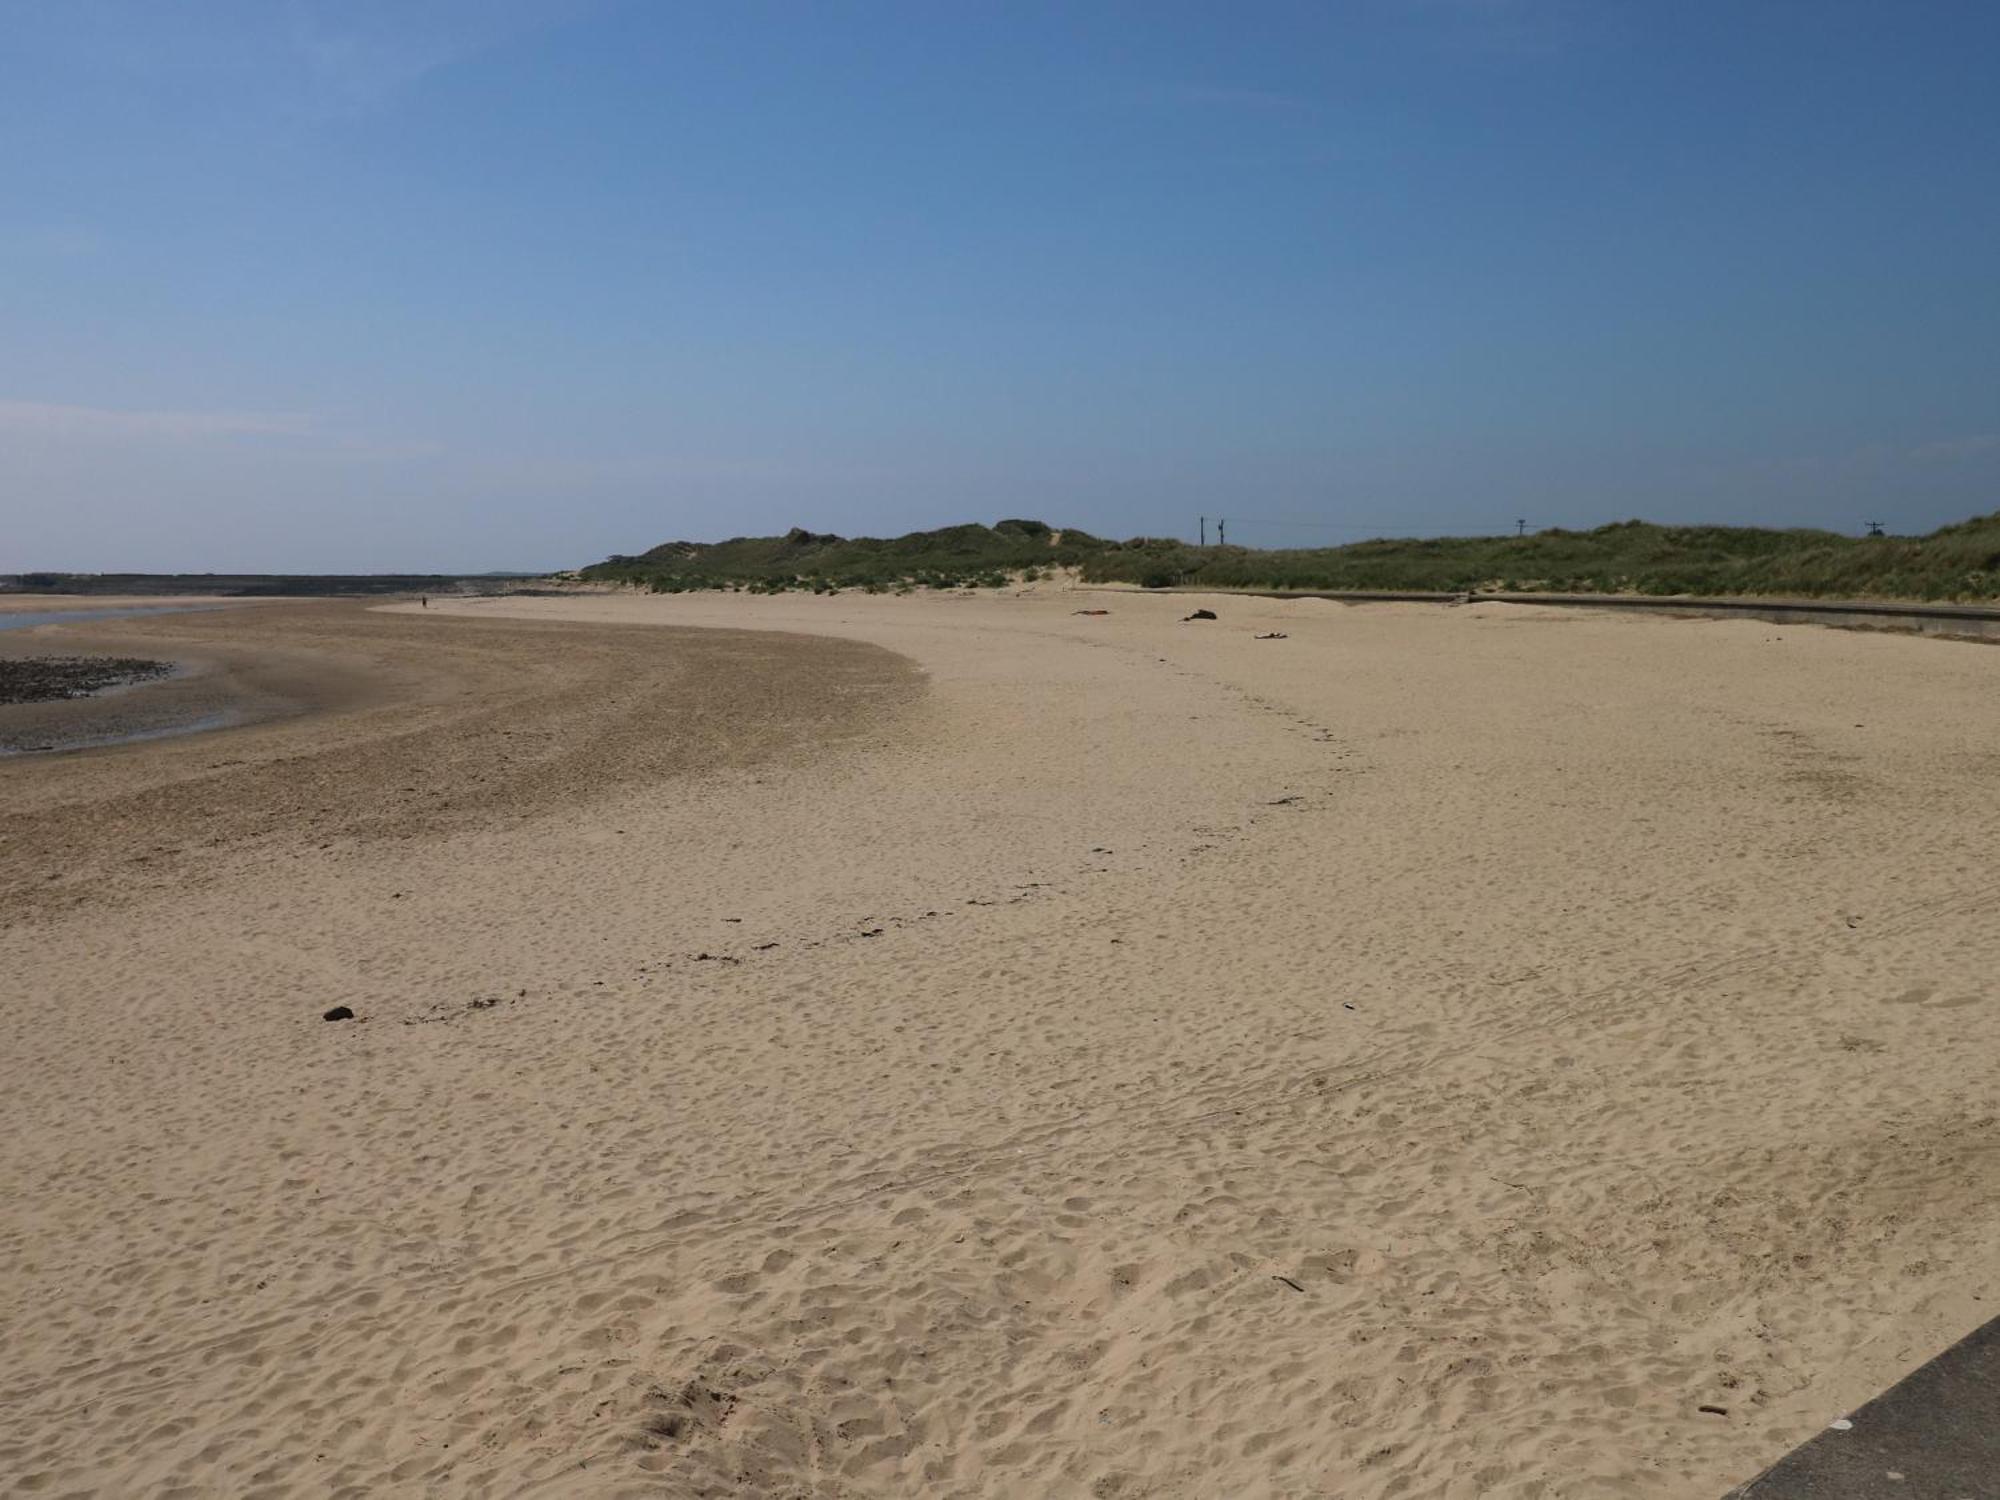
1934, 1435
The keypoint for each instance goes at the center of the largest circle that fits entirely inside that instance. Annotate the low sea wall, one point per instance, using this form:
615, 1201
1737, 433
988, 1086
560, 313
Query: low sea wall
1959, 621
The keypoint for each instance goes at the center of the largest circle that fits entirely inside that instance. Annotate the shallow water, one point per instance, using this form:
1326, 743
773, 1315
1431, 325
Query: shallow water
125, 737
13, 744
28, 618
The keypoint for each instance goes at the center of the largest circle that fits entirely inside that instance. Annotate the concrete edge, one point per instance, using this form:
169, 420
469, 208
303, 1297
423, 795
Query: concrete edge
1967, 622
1933, 1435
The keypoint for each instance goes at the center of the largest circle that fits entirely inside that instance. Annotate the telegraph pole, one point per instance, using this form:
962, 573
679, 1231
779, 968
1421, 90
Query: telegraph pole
1204, 531
1875, 528
1221, 533
1521, 527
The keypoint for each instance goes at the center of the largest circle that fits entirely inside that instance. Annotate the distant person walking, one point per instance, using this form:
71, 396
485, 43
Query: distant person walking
427, 601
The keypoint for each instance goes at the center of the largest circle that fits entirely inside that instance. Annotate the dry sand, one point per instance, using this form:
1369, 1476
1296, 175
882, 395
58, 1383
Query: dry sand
964, 1048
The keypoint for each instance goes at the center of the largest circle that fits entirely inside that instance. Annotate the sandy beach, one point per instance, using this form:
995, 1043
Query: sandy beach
953, 1045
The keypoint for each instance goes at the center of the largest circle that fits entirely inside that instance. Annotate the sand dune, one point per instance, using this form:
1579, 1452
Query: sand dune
955, 1046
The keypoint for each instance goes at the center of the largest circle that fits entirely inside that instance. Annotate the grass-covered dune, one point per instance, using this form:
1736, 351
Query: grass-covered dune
1961, 561
956, 556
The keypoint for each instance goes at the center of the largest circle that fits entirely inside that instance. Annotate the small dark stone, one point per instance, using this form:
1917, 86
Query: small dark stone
1200, 614
339, 1013
668, 1425
1714, 1411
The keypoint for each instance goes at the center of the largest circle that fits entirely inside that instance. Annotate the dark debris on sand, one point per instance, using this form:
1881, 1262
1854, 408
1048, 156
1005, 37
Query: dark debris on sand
46, 679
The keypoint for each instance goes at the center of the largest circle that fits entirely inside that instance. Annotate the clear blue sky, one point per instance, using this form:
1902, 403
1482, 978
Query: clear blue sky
384, 284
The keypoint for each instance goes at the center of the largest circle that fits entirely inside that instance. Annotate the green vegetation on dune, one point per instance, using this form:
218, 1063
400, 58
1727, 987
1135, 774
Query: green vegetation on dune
967, 556
1960, 561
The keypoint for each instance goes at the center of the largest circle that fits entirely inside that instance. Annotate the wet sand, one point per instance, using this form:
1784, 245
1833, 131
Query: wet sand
55, 679
361, 724
200, 688
956, 1046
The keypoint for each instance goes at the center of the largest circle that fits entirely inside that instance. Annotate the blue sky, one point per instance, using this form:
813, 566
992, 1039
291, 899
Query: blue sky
385, 284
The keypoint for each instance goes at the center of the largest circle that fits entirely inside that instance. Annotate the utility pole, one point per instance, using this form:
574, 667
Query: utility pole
1221, 533
1204, 531
1875, 528
1521, 527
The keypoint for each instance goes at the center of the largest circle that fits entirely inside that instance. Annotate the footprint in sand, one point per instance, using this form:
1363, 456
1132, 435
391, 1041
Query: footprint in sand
1921, 995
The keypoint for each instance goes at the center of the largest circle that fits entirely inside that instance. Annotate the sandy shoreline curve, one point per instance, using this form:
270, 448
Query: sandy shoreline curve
354, 722
198, 690
952, 1045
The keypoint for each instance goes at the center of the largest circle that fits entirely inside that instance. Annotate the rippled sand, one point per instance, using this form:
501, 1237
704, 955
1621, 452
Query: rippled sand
956, 1046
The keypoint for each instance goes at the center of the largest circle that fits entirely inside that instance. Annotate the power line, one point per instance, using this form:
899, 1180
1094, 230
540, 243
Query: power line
1377, 528
1373, 530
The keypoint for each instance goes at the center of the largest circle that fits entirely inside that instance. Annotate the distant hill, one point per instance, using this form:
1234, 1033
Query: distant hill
251, 585
1961, 561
